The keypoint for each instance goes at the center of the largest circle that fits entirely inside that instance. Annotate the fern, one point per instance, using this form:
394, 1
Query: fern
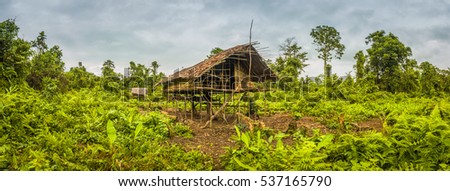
111, 131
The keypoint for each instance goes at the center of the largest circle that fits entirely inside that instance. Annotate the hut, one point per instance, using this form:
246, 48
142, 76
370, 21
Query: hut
139, 92
234, 70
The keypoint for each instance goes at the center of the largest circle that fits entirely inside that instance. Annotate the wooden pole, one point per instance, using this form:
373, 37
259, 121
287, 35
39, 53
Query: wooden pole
211, 99
250, 64
201, 98
250, 50
192, 105
167, 101
237, 88
224, 98
185, 105
200, 105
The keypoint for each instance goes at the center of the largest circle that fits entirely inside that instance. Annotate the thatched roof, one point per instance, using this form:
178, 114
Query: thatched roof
259, 67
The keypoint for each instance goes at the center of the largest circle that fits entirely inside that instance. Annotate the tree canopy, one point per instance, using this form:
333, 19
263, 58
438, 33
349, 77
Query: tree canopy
291, 63
328, 42
387, 56
15, 55
386, 65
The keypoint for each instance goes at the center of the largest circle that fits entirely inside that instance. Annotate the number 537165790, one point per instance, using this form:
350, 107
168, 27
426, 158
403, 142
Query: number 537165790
295, 181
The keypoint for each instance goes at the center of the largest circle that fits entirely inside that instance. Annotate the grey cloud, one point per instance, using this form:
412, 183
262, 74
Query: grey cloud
181, 33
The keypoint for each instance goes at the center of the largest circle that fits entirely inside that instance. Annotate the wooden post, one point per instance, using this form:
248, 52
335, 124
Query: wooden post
192, 105
200, 105
167, 100
185, 105
218, 111
250, 64
265, 101
225, 110
208, 104
239, 109
237, 88
210, 108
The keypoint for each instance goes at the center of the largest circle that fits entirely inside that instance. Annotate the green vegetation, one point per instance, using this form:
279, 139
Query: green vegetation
328, 40
54, 119
415, 136
88, 130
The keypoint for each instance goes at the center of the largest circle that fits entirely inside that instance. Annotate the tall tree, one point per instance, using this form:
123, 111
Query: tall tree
430, 79
328, 42
108, 68
46, 63
291, 63
154, 69
40, 43
386, 58
445, 80
139, 75
407, 77
14, 55
359, 67
154, 74
110, 79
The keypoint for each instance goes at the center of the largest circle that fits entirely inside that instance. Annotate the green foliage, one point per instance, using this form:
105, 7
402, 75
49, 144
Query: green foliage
290, 64
214, 51
75, 120
79, 77
14, 55
387, 57
328, 40
255, 152
139, 76
431, 80
359, 67
87, 130
110, 81
415, 136
138, 130
46, 64
111, 131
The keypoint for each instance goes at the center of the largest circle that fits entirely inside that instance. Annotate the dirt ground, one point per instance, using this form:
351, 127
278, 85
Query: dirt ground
214, 139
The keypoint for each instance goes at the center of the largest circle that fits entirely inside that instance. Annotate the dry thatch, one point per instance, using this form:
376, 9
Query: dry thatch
241, 52
139, 91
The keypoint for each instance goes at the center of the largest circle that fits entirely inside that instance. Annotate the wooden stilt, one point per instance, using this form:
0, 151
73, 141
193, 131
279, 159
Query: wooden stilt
185, 106
218, 111
225, 110
210, 101
239, 109
201, 99
192, 105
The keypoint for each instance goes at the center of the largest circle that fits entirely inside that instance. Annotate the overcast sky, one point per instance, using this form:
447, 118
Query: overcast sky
181, 33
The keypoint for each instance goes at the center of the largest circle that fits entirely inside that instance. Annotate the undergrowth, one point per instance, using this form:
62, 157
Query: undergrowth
414, 137
88, 130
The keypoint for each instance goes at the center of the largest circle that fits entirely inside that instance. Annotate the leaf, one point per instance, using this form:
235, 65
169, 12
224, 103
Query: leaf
130, 119
258, 138
137, 130
280, 145
243, 165
327, 139
111, 131
436, 113
246, 139
237, 131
